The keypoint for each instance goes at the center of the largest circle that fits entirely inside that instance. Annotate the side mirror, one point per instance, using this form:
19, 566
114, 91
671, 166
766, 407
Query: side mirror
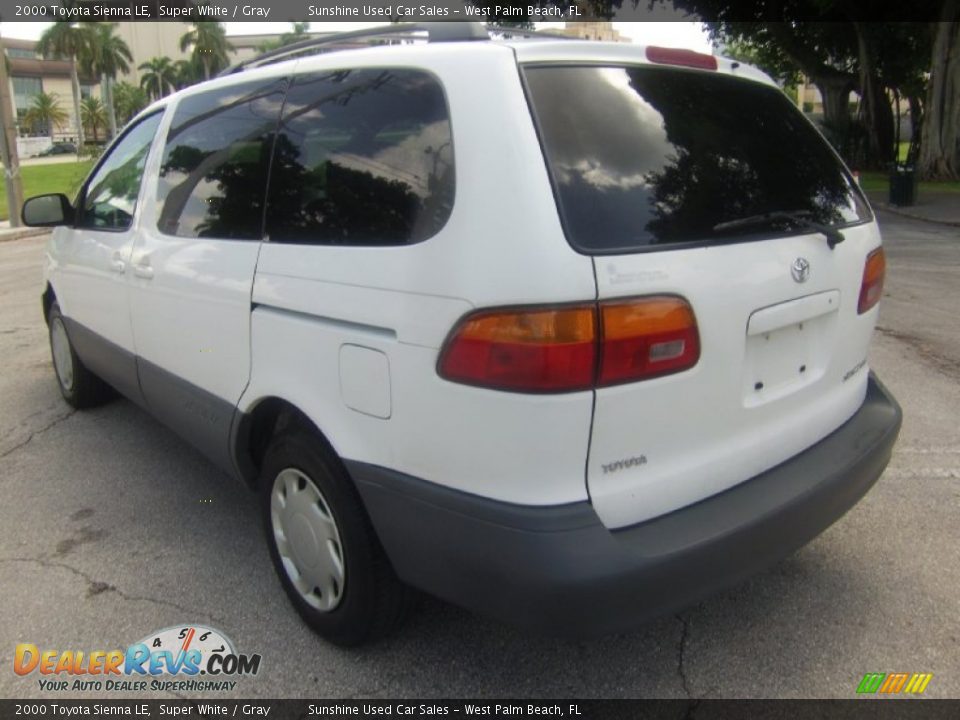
47, 211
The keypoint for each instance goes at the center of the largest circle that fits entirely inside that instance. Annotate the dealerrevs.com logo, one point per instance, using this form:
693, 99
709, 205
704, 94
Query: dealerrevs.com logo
180, 658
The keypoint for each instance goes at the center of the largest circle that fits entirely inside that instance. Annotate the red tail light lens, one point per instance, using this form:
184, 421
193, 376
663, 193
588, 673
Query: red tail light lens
530, 350
647, 337
871, 288
678, 56
562, 349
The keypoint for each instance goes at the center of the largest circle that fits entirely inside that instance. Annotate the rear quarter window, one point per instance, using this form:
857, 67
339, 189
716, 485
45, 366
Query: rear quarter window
363, 157
645, 157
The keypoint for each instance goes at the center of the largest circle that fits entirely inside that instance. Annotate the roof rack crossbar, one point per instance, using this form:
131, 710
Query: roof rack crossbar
436, 32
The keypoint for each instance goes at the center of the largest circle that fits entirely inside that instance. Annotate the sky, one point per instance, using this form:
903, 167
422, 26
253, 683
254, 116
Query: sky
670, 34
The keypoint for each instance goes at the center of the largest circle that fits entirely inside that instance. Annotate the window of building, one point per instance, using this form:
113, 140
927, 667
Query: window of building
22, 53
213, 175
25, 89
363, 157
110, 197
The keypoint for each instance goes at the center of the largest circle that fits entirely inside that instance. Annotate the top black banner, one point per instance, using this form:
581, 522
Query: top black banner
476, 10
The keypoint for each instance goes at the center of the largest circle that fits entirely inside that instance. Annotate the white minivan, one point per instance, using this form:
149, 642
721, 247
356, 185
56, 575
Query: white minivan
569, 333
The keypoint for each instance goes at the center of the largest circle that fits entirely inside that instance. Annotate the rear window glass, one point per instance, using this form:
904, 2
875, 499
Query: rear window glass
647, 156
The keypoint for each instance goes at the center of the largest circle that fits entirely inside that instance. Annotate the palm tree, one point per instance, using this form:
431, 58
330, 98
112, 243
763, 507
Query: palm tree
210, 46
107, 55
94, 115
158, 77
45, 112
297, 33
129, 100
185, 74
66, 39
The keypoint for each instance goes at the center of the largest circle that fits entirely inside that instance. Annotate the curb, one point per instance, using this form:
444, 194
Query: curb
895, 210
20, 233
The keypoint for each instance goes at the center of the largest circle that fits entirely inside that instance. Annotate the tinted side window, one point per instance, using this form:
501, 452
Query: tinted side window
214, 172
111, 193
363, 157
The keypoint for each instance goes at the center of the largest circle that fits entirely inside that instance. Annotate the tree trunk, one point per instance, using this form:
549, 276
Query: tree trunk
877, 113
206, 68
8, 146
940, 142
835, 92
916, 128
111, 112
75, 86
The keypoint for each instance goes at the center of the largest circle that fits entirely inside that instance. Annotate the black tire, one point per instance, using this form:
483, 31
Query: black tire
372, 601
79, 387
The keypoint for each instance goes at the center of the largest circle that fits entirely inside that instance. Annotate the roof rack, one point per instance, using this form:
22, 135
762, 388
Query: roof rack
436, 32
510, 31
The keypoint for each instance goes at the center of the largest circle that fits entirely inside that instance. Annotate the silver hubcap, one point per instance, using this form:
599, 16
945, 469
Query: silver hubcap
62, 360
307, 539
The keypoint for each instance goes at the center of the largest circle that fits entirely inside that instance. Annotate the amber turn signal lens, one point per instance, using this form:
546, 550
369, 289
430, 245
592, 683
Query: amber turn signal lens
529, 350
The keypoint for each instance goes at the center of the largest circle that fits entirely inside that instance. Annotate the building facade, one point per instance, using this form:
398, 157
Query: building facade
30, 74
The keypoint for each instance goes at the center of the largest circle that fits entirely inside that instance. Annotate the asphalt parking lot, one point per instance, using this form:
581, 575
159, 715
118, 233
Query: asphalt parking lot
111, 527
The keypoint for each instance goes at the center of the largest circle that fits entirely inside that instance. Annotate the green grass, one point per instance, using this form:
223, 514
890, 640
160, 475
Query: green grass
880, 182
41, 179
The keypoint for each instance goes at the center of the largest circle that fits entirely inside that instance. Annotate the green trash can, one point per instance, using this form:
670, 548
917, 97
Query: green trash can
903, 185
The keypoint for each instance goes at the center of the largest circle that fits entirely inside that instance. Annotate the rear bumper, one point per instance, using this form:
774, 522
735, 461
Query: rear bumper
559, 570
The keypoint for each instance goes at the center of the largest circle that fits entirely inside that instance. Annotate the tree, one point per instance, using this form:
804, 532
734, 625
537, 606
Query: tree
129, 100
93, 115
877, 59
210, 46
66, 39
823, 52
159, 77
839, 54
940, 140
45, 113
186, 73
298, 33
107, 55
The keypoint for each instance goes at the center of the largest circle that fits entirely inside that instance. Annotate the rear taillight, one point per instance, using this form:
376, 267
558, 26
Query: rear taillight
872, 286
645, 338
567, 348
678, 56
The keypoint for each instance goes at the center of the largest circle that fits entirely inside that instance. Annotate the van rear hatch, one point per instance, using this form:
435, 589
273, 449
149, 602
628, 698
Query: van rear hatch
714, 189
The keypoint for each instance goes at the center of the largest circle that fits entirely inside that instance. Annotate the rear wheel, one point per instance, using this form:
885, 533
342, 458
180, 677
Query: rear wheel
322, 544
79, 387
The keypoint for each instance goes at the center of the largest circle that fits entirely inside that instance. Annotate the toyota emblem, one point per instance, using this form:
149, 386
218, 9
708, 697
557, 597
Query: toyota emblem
800, 270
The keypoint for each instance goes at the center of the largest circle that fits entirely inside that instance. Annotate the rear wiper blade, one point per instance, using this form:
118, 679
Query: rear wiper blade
798, 217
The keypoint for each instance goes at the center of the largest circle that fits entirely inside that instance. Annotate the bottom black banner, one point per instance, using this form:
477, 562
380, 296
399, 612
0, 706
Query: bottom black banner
872, 709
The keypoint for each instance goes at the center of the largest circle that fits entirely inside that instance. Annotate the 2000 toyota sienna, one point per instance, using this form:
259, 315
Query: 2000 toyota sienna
568, 333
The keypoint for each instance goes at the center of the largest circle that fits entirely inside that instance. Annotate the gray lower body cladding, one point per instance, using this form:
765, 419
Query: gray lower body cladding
558, 570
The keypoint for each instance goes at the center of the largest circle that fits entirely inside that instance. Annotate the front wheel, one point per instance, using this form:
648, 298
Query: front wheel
322, 544
79, 387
